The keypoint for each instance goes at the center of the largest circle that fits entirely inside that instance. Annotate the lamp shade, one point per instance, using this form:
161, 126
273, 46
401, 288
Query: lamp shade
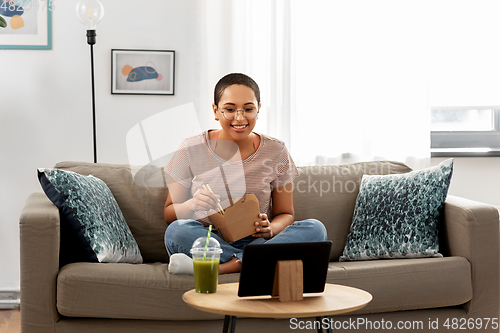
90, 13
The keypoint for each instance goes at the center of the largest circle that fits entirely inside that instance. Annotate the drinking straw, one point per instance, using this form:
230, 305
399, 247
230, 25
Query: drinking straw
206, 245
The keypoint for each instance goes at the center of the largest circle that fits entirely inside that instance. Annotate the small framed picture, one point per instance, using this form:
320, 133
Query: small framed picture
142, 72
26, 24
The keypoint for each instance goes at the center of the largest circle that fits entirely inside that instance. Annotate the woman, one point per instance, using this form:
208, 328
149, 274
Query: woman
267, 171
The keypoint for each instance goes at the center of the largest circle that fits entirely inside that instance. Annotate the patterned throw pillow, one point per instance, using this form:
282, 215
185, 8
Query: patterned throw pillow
396, 216
92, 225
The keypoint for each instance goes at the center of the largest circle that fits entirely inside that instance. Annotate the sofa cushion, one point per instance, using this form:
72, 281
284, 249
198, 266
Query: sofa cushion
126, 291
142, 206
407, 284
90, 216
396, 216
328, 193
148, 291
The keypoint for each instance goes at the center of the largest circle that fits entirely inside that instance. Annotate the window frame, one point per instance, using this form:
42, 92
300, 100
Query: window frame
467, 143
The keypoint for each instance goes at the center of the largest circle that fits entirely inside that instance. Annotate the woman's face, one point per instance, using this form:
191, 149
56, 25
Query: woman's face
237, 97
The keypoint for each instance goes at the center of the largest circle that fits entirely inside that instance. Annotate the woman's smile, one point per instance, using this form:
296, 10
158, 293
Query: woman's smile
239, 128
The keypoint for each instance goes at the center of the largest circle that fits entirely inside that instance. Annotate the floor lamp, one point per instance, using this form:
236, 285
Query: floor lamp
90, 13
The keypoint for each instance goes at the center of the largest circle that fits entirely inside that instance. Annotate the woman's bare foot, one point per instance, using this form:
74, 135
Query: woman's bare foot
232, 266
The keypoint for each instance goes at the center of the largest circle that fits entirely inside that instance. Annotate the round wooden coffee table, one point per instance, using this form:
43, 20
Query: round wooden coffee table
336, 299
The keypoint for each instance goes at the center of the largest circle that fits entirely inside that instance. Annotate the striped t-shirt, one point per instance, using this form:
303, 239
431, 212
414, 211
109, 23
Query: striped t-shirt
195, 164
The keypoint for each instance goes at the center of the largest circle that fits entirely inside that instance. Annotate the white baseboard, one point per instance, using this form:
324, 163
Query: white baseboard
9, 299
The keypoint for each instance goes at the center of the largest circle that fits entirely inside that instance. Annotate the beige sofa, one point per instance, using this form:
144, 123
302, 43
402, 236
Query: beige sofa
97, 297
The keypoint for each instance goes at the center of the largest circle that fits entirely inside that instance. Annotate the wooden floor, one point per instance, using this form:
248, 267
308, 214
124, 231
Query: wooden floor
10, 321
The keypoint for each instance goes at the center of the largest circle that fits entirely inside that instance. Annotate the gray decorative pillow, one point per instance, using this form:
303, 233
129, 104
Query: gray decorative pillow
90, 218
396, 216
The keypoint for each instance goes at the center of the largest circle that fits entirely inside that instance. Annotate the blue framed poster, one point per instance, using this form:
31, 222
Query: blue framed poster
26, 24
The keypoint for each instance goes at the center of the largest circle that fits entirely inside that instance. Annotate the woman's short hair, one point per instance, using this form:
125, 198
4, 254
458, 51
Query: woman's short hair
235, 78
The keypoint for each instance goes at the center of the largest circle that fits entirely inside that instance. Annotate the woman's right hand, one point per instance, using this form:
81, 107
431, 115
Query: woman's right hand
204, 200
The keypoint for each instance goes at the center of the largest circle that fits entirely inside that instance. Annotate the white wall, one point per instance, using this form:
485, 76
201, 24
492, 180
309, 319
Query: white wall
475, 178
45, 108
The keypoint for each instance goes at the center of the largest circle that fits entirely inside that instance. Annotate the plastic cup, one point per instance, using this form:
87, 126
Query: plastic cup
206, 264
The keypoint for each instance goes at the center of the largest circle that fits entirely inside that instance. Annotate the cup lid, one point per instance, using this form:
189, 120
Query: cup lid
200, 244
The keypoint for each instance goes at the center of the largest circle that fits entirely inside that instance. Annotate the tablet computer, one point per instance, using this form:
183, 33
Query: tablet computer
259, 264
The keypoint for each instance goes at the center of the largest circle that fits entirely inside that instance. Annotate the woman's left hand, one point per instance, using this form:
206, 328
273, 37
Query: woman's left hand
263, 227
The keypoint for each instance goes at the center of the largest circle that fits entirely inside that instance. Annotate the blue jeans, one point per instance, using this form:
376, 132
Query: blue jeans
181, 234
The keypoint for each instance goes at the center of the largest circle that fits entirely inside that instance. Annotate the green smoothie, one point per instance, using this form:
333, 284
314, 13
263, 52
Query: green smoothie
206, 274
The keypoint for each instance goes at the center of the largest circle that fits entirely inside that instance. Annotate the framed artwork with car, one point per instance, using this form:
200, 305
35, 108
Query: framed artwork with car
142, 72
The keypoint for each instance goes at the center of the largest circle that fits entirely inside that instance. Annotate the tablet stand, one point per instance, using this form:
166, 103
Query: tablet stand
288, 280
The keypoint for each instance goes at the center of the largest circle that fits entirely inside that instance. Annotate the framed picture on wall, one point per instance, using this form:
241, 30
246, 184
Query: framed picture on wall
142, 72
26, 24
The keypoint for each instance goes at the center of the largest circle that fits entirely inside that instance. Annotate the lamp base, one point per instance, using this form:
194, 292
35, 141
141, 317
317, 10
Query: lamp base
91, 37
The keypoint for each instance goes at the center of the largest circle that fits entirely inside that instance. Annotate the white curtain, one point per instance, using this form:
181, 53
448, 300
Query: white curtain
341, 81
464, 67
361, 82
251, 37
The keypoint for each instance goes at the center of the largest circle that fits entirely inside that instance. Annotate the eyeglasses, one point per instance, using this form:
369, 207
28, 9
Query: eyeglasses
249, 113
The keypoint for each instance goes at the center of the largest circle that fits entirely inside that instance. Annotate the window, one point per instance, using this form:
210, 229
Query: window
465, 131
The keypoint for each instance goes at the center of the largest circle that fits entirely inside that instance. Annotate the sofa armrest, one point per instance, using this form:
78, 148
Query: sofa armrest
39, 238
471, 230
